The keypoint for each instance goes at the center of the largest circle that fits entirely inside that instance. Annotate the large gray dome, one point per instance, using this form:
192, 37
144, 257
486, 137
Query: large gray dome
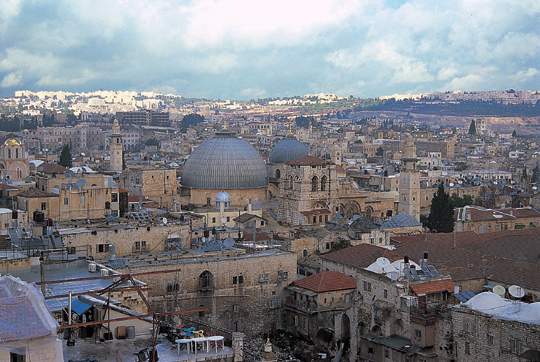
288, 149
224, 162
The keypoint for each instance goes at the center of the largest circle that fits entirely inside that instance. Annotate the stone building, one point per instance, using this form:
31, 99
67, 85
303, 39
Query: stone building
159, 185
242, 291
315, 307
482, 220
308, 191
14, 164
491, 328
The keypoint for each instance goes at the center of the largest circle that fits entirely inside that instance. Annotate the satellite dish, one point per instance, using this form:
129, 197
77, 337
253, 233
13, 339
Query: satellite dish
165, 220
516, 291
81, 182
229, 242
223, 220
499, 290
451, 184
383, 262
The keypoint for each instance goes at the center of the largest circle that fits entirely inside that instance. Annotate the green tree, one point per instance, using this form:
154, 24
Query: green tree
536, 174
341, 244
461, 201
65, 157
380, 151
191, 120
151, 142
524, 174
472, 127
514, 134
441, 213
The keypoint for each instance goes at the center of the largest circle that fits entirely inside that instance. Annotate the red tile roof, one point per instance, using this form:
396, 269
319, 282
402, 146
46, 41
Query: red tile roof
327, 281
259, 236
315, 212
433, 287
361, 256
522, 212
308, 161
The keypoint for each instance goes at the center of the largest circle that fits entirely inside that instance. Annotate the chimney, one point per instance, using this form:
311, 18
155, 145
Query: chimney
425, 260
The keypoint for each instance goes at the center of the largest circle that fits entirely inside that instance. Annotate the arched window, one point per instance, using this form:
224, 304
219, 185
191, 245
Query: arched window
324, 180
278, 173
16, 153
369, 210
305, 253
9, 152
206, 280
290, 182
314, 184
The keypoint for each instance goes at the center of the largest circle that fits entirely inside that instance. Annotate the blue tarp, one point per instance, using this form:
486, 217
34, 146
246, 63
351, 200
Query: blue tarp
79, 307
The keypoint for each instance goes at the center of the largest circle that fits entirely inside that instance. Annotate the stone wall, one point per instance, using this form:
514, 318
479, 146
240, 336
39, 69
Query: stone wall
252, 306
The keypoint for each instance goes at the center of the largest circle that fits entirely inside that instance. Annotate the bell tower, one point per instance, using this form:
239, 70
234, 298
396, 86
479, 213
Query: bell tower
409, 182
116, 149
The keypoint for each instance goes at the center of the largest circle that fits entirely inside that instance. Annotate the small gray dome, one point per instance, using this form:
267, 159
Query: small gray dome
288, 149
401, 220
224, 162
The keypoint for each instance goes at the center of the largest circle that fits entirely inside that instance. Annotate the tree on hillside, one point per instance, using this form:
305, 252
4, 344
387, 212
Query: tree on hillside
514, 134
524, 174
536, 174
191, 120
441, 214
472, 127
65, 157
457, 201
380, 151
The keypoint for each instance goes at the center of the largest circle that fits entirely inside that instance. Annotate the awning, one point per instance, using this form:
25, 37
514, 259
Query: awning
79, 307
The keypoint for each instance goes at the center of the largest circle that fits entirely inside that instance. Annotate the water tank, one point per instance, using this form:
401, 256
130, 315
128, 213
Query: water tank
92, 268
130, 332
104, 272
39, 216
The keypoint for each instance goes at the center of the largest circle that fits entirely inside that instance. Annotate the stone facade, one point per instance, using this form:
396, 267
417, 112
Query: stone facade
483, 337
239, 197
409, 183
241, 291
158, 185
14, 161
308, 187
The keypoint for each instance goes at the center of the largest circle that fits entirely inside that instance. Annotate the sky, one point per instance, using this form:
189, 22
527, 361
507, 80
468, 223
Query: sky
246, 49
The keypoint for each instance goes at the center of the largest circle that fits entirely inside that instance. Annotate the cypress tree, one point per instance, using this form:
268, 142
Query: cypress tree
472, 127
441, 214
65, 157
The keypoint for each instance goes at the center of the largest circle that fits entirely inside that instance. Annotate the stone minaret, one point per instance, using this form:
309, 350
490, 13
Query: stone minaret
409, 182
116, 149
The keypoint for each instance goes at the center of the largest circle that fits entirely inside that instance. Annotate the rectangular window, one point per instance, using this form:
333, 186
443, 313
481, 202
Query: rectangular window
385, 292
490, 340
143, 245
137, 245
241, 279
103, 248
235, 280
213, 220
114, 197
66, 201
14, 357
417, 334
81, 200
367, 286
264, 277
172, 287
347, 298
43, 206
467, 348
235, 308
228, 218
100, 199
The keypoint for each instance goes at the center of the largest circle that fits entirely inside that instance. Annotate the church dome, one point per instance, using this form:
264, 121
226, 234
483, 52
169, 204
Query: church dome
288, 149
223, 197
224, 162
12, 142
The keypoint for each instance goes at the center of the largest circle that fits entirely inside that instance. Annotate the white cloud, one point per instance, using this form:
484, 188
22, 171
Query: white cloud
252, 93
469, 82
447, 73
11, 80
526, 75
